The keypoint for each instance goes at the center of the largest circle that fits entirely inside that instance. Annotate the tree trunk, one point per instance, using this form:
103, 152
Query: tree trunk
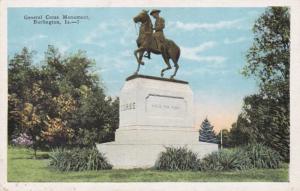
34, 148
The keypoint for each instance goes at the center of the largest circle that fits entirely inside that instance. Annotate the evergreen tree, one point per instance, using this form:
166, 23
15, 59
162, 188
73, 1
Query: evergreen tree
207, 133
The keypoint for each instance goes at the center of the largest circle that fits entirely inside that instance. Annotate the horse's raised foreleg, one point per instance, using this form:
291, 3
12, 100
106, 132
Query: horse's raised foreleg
137, 70
141, 54
166, 59
138, 58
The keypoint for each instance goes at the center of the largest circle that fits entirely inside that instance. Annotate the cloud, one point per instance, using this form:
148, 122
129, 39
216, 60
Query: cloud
34, 38
62, 46
113, 70
192, 53
127, 54
204, 70
234, 41
93, 36
207, 26
106, 32
110, 63
31, 42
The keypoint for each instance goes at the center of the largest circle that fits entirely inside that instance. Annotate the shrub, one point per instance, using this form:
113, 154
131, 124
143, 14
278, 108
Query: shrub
227, 159
262, 156
176, 159
78, 160
22, 140
246, 157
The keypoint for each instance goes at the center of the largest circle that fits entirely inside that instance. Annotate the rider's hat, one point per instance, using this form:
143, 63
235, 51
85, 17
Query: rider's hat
154, 11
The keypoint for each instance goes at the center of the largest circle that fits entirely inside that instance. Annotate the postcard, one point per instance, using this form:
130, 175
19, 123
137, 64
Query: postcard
149, 95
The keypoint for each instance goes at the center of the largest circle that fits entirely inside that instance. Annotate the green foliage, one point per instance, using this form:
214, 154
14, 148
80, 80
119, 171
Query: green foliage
225, 138
22, 168
262, 156
177, 159
21, 74
20, 79
239, 133
267, 122
242, 158
67, 100
97, 119
14, 118
265, 117
207, 133
226, 159
268, 58
236, 136
78, 159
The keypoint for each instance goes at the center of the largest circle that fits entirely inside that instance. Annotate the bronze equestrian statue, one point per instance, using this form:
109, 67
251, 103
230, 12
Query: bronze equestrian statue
155, 42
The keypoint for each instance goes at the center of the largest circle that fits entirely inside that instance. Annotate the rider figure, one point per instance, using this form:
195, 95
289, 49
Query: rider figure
159, 33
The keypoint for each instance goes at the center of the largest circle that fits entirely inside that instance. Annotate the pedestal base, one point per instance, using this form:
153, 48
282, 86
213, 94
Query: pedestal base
128, 156
154, 113
155, 135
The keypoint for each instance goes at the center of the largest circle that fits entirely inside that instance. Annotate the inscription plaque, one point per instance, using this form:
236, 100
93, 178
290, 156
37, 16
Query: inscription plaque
166, 106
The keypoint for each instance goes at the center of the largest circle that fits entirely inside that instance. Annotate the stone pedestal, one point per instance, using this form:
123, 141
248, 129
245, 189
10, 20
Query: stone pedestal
154, 113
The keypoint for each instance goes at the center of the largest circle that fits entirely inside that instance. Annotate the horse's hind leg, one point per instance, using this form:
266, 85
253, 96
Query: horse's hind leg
166, 59
175, 53
176, 68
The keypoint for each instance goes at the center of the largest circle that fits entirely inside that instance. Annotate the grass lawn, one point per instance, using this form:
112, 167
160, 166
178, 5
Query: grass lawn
23, 168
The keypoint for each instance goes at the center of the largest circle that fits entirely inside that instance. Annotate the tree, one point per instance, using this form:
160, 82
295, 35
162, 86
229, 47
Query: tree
20, 78
14, 120
24, 98
60, 103
95, 117
237, 135
31, 124
266, 121
21, 74
207, 133
225, 138
268, 58
266, 114
57, 129
90, 119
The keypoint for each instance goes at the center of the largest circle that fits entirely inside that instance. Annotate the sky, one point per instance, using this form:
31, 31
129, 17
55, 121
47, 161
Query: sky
213, 43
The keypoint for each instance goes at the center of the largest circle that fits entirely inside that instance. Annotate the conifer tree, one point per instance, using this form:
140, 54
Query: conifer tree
207, 133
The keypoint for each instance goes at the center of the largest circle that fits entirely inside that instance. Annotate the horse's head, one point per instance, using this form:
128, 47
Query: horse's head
141, 17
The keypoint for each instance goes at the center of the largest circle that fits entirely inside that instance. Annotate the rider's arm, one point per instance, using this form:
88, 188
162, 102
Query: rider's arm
160, 25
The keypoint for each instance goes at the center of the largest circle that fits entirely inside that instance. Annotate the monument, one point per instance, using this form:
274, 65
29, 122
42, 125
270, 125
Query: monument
155, 112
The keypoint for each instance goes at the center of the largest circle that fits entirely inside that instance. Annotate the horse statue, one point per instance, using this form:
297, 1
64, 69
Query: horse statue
146, 42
